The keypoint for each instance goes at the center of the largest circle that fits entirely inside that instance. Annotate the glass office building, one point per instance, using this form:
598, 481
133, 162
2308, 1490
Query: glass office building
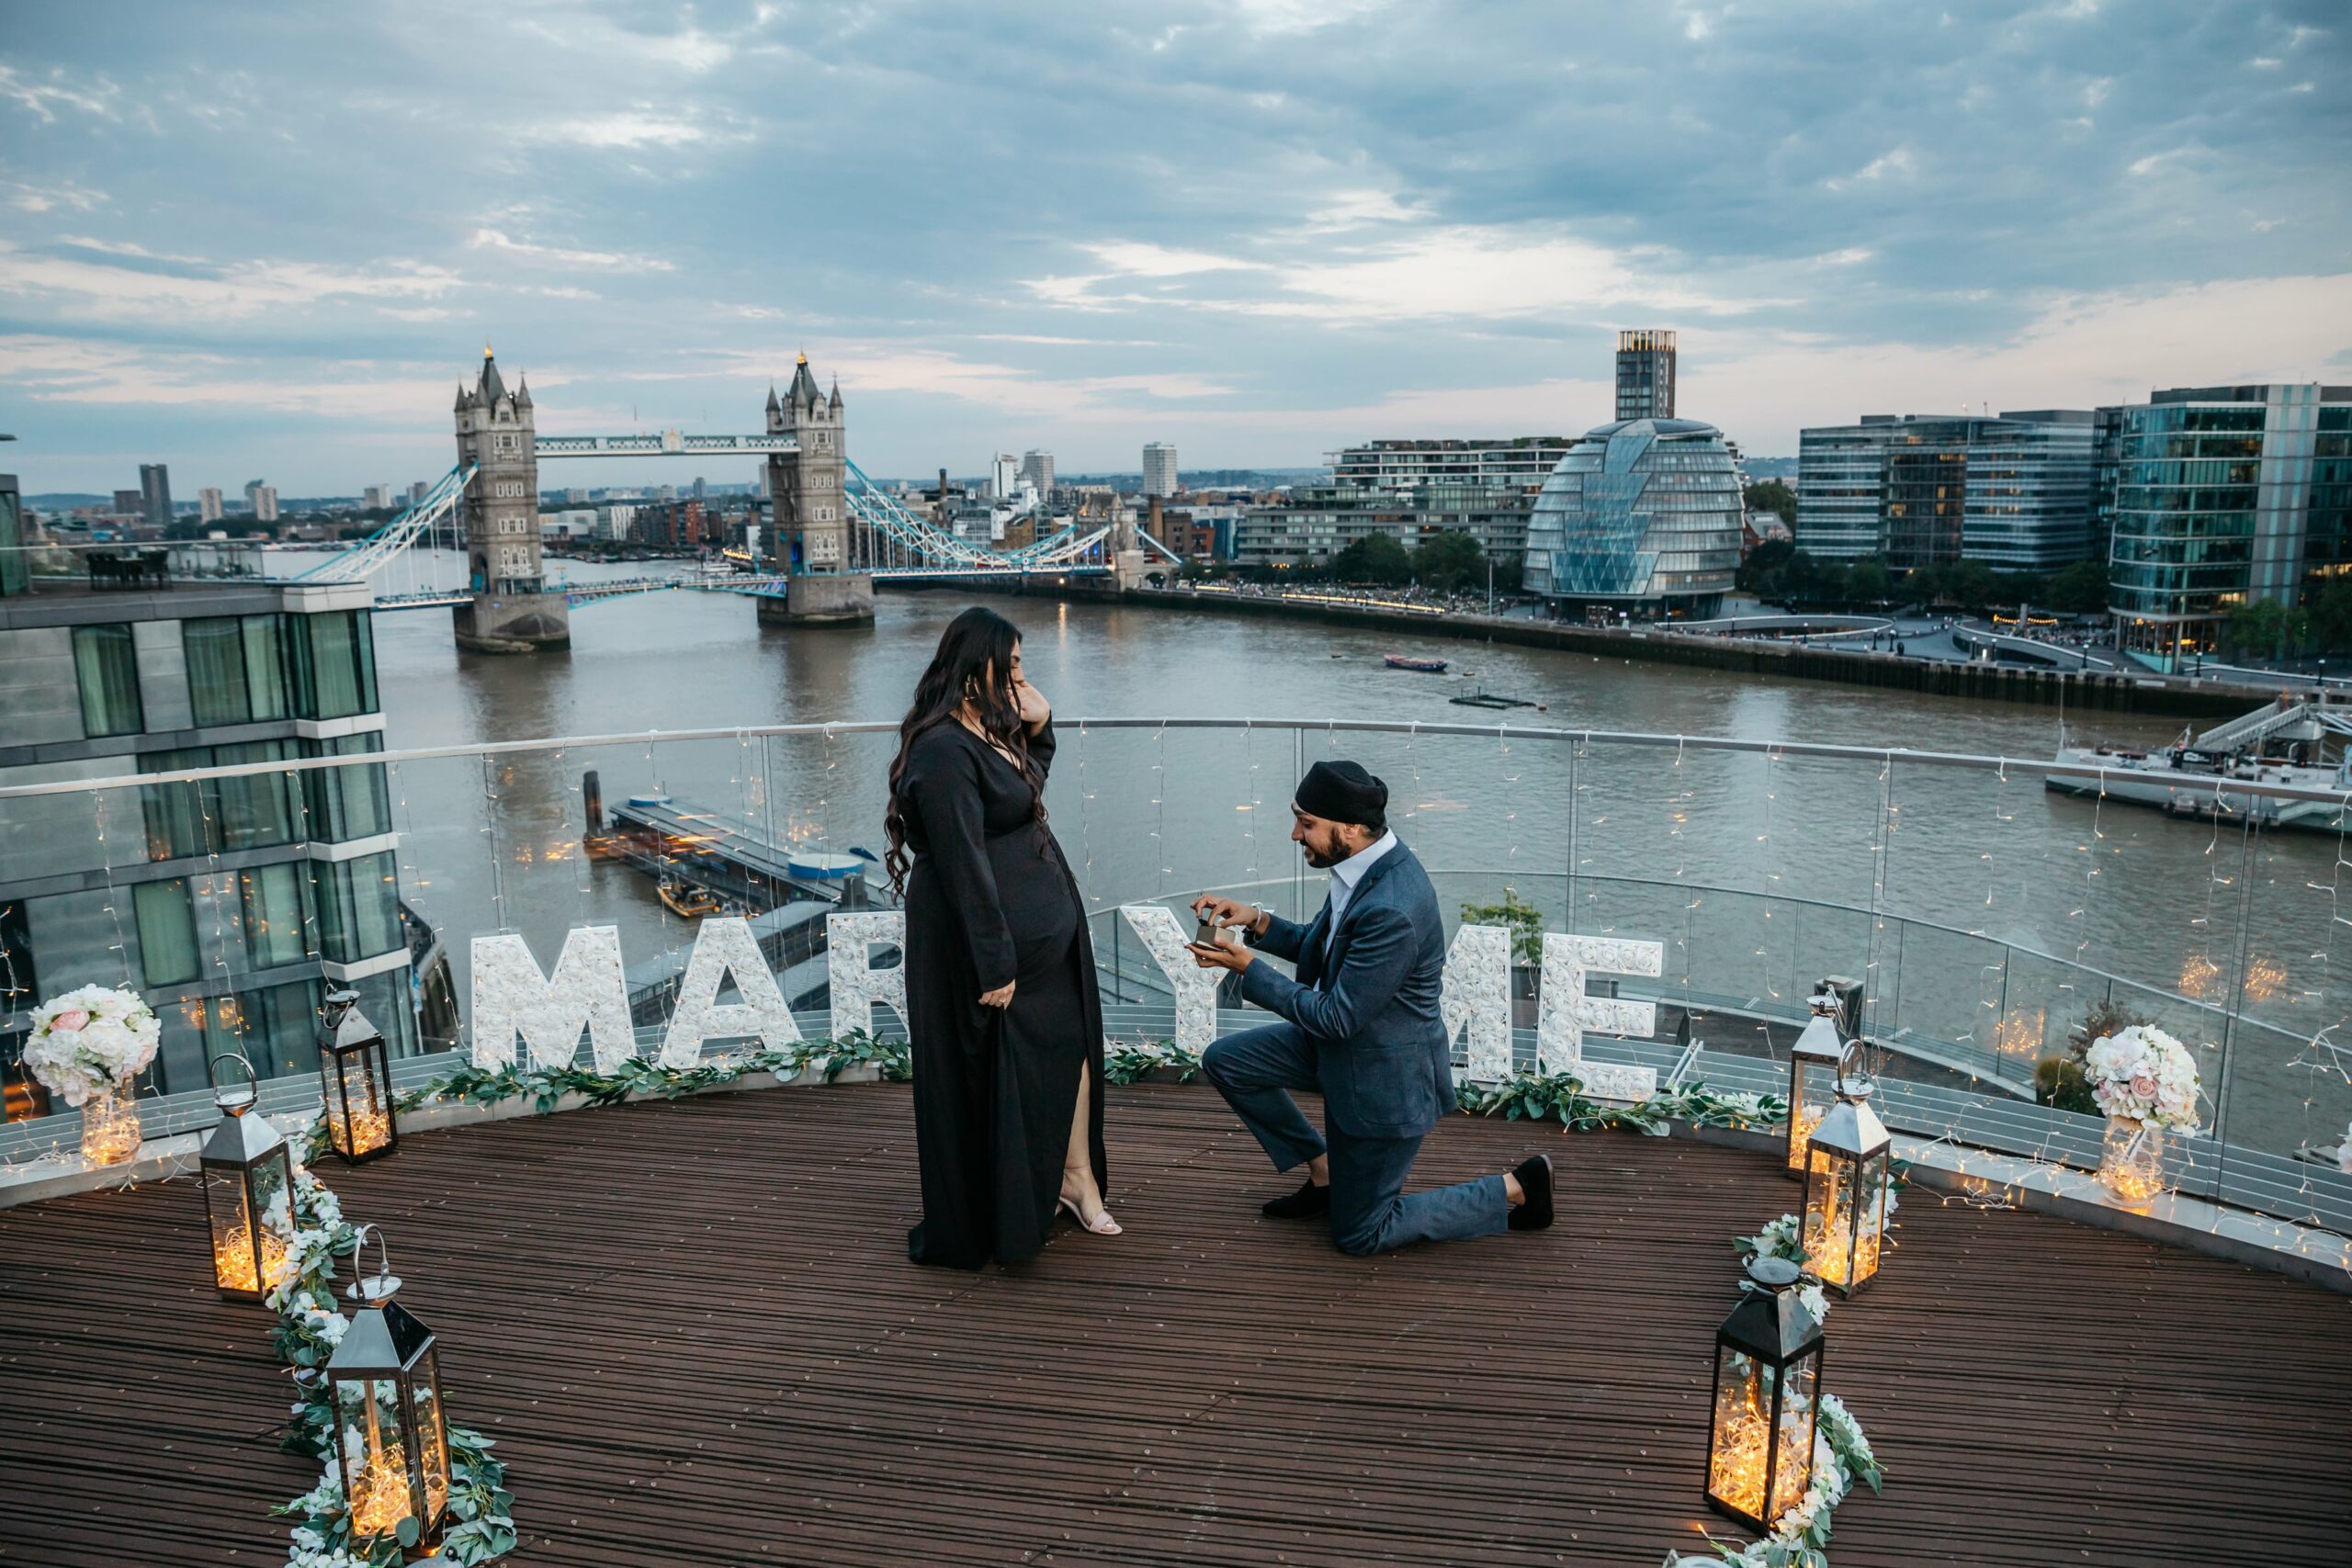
2016, 492
1641, 517
1645, 366
229, 903
2226, 496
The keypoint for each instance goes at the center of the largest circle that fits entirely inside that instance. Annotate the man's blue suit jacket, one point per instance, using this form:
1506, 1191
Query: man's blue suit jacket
1368, 1009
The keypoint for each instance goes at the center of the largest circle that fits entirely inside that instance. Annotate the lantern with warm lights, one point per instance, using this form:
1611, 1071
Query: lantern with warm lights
1768, 1382
248, 1187
391, 1433
1812, 1063
355, 1076
1846, 1185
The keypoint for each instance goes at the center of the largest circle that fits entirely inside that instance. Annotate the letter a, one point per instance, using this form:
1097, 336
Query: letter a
723, 946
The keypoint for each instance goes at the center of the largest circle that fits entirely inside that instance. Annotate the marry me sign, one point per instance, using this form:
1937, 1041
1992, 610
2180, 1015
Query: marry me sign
514, 1000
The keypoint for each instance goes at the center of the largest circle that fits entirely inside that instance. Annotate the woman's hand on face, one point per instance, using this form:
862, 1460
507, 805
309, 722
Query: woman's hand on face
1034, 709
999, 998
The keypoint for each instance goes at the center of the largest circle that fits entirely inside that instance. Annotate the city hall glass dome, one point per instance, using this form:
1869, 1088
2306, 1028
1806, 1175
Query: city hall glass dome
1642, 514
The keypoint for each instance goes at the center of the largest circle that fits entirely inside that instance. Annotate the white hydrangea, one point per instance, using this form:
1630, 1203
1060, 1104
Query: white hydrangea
90, 1038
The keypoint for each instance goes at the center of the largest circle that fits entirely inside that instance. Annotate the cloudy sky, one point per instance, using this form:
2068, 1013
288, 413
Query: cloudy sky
266, 239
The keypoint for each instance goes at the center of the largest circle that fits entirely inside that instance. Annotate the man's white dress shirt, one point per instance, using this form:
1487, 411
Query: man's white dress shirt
1344, 877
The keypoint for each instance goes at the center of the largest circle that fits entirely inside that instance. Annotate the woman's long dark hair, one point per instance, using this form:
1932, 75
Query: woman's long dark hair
974, 661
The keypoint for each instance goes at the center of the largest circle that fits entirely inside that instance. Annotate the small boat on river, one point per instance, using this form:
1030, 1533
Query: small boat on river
1411, 662
2284, 744
688, 901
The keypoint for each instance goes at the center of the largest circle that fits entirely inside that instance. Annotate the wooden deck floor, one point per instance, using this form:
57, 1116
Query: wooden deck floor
693, 1329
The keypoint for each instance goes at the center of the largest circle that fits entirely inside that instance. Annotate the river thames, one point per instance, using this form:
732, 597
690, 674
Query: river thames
1984, 910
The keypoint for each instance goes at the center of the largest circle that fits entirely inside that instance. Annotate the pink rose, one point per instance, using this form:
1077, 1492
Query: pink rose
2144, 1085
71, 1019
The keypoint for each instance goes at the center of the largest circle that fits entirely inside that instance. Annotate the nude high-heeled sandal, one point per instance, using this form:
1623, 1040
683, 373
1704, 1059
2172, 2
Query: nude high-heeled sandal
1104, 1224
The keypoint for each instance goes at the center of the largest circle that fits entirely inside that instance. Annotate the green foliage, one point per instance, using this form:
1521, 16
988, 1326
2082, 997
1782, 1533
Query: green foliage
1377, 559
2330, 613
1766, 570
2059, 1083
2267, 630
1449, 561
2078, 590
1531, 1097
1869, 582
1525, 919
1774, 496
1132, 1061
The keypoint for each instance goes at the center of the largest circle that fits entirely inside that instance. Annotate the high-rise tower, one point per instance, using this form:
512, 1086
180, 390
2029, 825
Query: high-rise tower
1646, 374
807, 492
511, 611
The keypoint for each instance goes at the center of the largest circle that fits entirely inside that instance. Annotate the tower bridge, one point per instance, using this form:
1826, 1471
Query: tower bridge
832, 532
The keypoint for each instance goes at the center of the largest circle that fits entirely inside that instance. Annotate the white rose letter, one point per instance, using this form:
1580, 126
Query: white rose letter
850, 976
725, 947
510, 995
1564, 1011
1195, 987
1476, 995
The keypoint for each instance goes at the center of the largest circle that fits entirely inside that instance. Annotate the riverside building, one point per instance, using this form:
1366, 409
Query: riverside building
228, 903
1399, 468
1641, 517
2226, 496
1316, 522
2016, 492
1645, 374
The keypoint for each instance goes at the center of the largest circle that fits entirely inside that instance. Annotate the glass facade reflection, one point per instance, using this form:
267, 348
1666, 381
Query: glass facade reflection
2017, 492
1641, 516
229, 903
2225, 497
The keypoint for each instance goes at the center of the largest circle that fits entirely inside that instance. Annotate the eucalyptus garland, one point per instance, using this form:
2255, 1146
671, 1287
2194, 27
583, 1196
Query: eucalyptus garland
1560, 1097
481, 1510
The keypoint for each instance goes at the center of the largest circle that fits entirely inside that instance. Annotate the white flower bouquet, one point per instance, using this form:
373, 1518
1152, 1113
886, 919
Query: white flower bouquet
2144, 1075
91, 1040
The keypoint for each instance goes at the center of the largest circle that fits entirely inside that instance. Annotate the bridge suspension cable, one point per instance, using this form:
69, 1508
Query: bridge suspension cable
366, 556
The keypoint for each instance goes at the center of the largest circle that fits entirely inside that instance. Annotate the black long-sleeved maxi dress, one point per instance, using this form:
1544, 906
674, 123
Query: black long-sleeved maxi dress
991, 899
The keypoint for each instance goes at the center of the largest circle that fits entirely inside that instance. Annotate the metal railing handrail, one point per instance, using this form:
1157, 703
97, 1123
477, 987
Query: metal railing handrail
1776, 750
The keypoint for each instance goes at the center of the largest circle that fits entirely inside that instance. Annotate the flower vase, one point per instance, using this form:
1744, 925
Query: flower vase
2132, 1160
110, 1124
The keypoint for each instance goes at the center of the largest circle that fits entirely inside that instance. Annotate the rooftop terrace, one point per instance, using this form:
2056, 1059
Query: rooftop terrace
692, 1330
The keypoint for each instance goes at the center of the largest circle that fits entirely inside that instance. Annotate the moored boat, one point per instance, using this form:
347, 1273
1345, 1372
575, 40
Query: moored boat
2282, 745
1411, 662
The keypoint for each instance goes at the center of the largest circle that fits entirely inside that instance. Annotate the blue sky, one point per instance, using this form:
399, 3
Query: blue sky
267, 240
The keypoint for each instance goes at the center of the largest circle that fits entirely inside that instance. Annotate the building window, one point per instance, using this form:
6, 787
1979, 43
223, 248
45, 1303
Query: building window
166, 931
235, 673
359, 908
335, 664
277, 932
347, 803
107, 666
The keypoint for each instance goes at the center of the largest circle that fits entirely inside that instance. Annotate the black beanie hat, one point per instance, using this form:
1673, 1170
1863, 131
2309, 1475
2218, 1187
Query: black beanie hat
1343, 792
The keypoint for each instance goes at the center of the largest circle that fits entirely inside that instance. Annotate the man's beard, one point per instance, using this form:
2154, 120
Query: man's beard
1320, 861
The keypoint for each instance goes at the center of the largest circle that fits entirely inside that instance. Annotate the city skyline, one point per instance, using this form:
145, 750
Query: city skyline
1259, 231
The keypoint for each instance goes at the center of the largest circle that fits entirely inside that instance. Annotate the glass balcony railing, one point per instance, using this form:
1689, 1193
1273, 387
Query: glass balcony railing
1987, 919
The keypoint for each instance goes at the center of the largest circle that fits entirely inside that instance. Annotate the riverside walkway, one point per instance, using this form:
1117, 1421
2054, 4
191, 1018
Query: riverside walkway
692, 1331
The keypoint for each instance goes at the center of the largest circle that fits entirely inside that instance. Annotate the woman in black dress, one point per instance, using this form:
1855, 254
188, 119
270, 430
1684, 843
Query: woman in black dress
1001, 1004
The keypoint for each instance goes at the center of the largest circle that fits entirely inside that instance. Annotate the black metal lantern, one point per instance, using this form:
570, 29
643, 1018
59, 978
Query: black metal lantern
355, 1076
1813, 1063
392, 1437
248, 1189
1846, 1185
1767, 1383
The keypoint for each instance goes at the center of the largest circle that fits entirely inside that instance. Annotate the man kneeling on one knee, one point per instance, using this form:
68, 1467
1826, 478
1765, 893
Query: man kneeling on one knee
1362, 1026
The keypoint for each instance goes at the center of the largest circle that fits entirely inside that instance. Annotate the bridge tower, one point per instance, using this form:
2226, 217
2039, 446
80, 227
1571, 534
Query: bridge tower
511, 611
808, 493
